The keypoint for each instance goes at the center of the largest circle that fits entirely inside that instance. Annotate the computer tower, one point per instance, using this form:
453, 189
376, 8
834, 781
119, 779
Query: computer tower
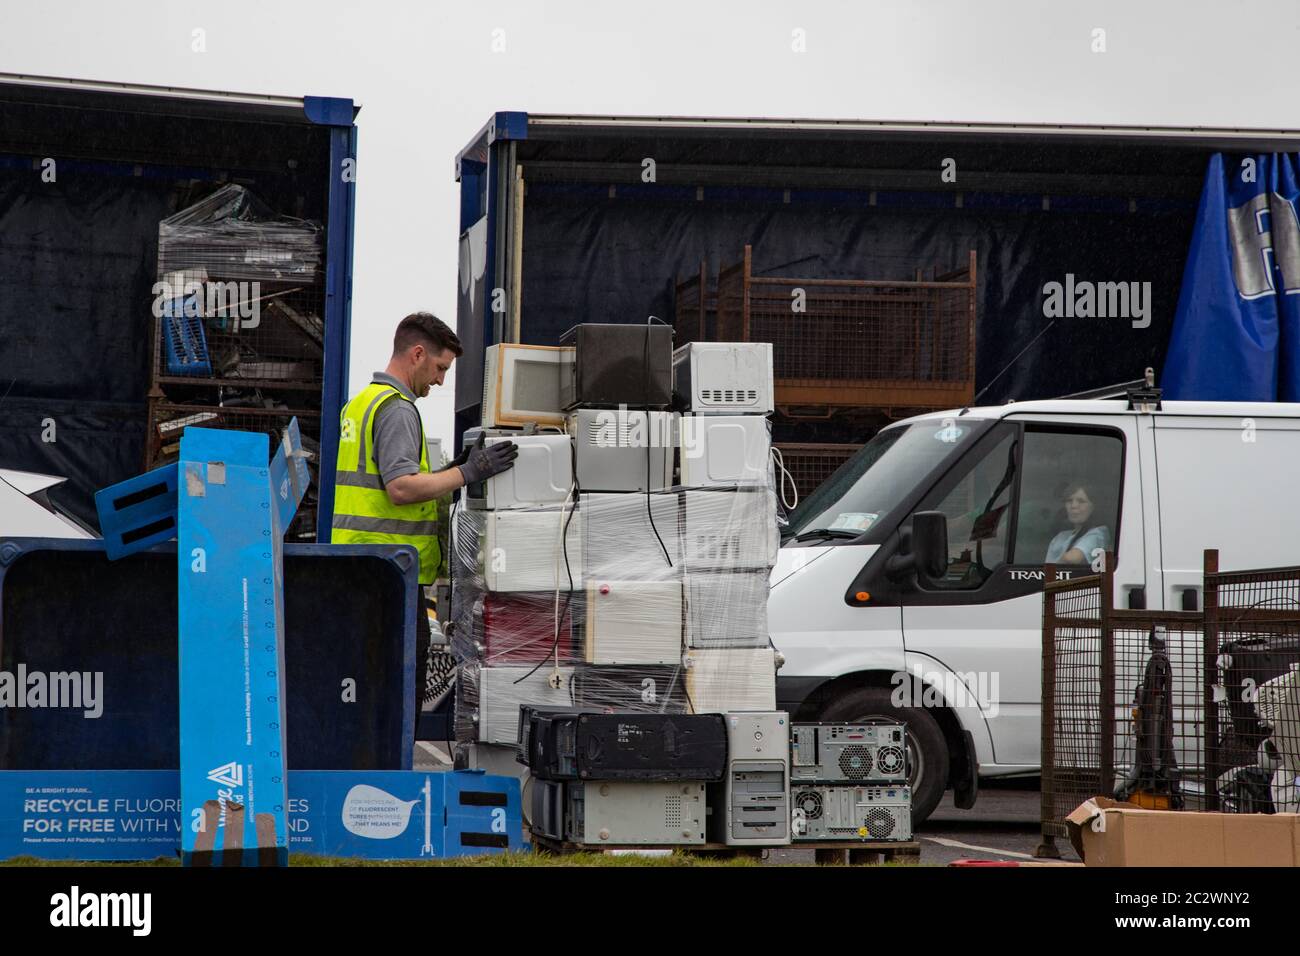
635, 813
724, 451
547, 808
727, 609
829, 812
622, 449
521, 385
531, 717
823, 812
730, 529
720, 680
849, 753
628, 746
613, 365
521, 550
542, 473
633, 622
547, 743
724, 378
752, 804
886, 812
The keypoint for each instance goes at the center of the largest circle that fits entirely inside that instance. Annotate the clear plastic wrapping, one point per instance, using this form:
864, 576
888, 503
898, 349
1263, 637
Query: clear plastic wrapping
615, 601
233, 235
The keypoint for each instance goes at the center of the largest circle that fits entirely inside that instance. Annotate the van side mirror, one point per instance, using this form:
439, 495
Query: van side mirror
923, 548
930, 543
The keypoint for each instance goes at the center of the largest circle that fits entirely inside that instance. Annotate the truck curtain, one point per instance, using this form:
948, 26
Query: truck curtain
593, 257
77, 260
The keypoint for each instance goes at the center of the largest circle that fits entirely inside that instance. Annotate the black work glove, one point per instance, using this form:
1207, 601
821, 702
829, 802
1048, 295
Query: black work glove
484, 462
459, 459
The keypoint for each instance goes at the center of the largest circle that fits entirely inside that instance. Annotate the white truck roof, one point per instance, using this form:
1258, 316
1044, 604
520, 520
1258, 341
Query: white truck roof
29, 482
21, 516
1066, 407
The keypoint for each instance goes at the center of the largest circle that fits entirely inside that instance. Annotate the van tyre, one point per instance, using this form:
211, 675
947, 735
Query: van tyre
927, 751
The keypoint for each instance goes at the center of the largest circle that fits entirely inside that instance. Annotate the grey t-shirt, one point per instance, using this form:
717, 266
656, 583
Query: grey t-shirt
397, 433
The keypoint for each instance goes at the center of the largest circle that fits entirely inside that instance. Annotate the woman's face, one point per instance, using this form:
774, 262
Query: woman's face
1078, 507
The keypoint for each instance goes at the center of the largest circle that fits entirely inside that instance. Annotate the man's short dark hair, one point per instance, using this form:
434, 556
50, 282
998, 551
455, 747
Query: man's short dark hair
425, 328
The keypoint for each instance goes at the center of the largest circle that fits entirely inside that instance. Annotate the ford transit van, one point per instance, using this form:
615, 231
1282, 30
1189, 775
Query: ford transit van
909, 584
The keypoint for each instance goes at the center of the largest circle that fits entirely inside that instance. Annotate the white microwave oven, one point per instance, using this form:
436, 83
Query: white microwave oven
521, 385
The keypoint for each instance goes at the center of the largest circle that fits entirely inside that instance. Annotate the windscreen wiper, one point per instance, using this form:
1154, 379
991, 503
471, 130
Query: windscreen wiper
826, 533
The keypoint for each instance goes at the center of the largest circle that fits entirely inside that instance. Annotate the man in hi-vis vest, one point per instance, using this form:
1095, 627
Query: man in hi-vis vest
385, 489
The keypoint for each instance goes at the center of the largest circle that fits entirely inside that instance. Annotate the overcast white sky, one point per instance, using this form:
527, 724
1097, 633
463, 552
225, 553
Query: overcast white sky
427, 79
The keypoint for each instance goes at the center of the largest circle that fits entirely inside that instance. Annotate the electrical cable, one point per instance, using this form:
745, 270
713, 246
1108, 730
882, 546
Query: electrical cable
779, 460
563, 547
449, 631
645, 363
645, 359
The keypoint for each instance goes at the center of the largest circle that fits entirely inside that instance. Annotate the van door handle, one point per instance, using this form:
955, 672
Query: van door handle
1137, 599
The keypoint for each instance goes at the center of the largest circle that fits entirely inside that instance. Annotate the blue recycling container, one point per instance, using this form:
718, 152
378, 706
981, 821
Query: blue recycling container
65, 609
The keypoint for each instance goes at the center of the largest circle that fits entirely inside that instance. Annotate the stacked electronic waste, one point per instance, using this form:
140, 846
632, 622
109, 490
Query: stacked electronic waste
586, 576
739, 779
609, 592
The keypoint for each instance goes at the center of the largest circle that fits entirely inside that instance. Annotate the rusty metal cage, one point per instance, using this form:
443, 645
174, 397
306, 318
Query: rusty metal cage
1124, 703
265, 334
1073, 741
811, 463
855, 343
168, 421
1160, 704
1253, 730
1174, 710
238, 340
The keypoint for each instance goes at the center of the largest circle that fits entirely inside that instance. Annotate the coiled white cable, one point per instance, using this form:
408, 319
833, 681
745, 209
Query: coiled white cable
779, 459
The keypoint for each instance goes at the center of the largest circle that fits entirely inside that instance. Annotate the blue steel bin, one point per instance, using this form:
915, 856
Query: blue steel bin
349, 648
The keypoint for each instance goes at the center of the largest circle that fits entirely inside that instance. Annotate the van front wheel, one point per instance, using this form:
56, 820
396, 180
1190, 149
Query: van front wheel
927, 751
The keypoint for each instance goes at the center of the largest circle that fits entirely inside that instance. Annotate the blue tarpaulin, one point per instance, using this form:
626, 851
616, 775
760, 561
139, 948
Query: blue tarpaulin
1237, 327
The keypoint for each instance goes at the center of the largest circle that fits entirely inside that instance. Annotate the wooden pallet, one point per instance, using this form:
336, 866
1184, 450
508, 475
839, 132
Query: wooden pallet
858, 852
826, 853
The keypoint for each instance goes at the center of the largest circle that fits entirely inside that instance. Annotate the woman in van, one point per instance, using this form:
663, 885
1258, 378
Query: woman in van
1077, 544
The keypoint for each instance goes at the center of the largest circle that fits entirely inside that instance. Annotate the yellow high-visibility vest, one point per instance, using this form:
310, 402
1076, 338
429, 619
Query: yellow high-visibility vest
363, 513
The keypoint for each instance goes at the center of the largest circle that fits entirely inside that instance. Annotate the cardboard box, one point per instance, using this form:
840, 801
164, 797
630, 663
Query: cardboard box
1108, 833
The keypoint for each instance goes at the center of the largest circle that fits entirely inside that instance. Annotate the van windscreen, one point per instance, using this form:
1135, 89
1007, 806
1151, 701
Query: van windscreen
866, 488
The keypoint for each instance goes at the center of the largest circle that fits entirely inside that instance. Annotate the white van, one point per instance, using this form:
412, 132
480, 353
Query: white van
866, 595
27, 511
